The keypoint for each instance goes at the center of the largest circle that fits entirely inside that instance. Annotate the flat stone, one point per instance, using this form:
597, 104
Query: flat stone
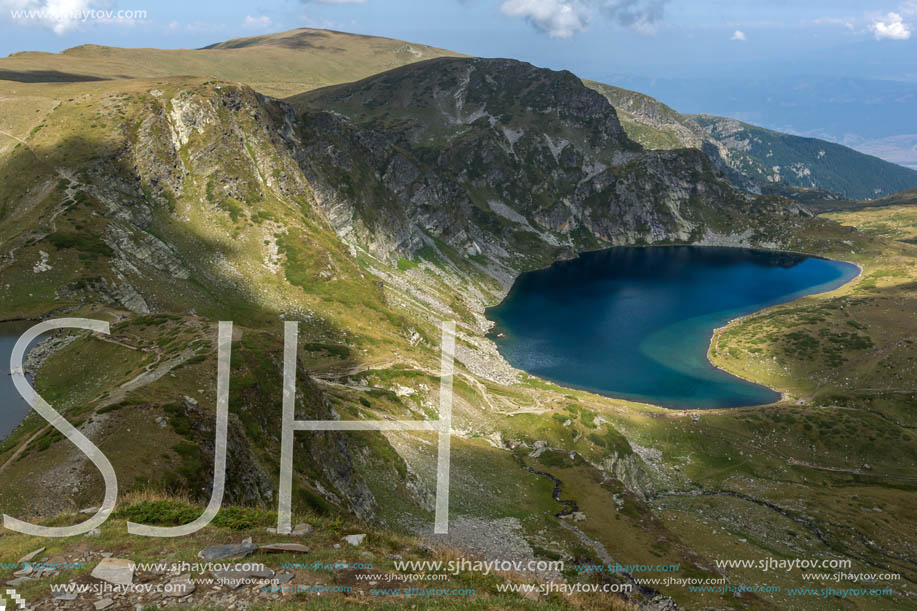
119, 571
89, 510
355, 539
180, 586
105, 603
31, 555
19, 581
64, 596
95, 532
216, 552
285, 577
284, 548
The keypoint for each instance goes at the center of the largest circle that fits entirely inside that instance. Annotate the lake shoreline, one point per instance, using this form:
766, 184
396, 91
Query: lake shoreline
625, 268
784, 395
20, 326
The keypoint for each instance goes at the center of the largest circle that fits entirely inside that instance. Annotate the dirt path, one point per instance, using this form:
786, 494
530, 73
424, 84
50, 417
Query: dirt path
10, 256
25, 444
22, 448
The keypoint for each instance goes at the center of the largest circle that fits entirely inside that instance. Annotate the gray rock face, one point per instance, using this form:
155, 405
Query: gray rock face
231, 550
143, 248
550, 153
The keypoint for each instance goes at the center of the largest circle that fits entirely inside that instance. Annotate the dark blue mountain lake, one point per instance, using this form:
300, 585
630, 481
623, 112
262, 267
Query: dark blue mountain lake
13, 408
636, 322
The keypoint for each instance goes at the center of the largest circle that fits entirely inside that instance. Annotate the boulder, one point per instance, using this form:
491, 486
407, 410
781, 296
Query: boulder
301, 530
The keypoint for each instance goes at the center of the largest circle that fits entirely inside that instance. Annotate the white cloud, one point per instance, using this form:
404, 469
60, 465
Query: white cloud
891, 26
195, 27
639, 15
557, 18
564, 18
847, 23
738, 35
257, 23
61, 16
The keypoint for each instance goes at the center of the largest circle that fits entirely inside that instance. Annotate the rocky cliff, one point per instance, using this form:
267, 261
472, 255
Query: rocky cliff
508, 162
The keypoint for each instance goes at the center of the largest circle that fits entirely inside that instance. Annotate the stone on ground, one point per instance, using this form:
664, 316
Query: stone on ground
284, 548
217, 552
119, 571
31, 555
355, 539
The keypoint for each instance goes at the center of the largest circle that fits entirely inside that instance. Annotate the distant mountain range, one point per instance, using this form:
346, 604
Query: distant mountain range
874, 115
760, 159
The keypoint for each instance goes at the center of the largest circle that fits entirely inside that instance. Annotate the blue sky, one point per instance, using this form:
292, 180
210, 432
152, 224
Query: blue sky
590, 37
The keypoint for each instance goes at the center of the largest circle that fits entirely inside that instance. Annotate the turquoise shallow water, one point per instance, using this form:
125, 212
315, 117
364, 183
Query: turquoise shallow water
636, 322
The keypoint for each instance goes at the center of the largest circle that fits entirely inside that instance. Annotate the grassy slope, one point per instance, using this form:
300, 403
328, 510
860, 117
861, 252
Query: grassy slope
902, 198
814, 472
278, 65
846, 361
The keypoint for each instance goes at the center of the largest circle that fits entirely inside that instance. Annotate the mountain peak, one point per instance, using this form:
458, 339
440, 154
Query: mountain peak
453, 93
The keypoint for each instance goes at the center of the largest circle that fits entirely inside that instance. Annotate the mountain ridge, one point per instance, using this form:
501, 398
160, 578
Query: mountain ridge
760, 159
288, 63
